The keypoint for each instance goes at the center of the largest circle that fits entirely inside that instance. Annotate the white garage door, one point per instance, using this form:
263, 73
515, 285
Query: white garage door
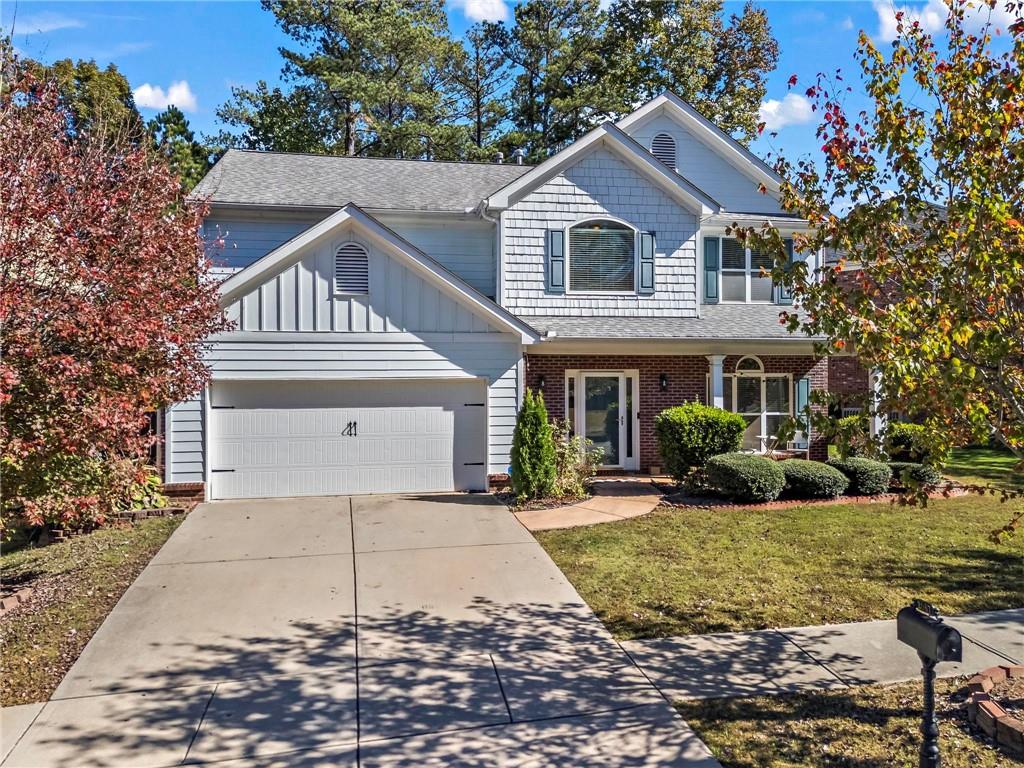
336, 438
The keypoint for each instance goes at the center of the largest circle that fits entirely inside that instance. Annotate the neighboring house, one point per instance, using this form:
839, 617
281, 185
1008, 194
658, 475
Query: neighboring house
390, 313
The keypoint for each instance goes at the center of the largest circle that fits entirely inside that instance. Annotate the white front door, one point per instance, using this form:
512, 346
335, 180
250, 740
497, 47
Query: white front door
606, 406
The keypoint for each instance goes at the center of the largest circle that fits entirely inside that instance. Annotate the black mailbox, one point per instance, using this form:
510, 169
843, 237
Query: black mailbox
928, 635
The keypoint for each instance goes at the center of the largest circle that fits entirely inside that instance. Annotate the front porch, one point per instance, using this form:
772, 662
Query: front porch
613, 399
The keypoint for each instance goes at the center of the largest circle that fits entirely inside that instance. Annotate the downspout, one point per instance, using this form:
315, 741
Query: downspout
499, 252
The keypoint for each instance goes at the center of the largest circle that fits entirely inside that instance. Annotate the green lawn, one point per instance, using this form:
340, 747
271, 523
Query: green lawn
696, 571
76, 584
985, 466
869, 726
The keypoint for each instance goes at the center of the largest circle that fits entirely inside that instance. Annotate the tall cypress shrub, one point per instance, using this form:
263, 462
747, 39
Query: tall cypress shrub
533, 450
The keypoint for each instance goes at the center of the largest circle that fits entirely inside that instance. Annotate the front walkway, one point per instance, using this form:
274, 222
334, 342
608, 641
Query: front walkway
613, 499
773, 661
372, 631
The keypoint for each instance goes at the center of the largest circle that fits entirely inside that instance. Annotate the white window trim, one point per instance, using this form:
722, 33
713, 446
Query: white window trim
568, 258
731, 382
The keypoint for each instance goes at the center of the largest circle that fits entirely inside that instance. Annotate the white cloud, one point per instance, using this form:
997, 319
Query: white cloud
47, 21
794, 109
153, 96
846, 23
932, 16
482, 10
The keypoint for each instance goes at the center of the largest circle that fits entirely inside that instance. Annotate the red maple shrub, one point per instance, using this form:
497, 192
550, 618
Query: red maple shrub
105, 302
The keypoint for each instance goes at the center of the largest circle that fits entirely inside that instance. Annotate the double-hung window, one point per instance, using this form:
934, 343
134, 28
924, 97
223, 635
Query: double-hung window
762, 399
602, 257
740, 273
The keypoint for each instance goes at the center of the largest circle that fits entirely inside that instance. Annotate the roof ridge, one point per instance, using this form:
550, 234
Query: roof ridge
393, 159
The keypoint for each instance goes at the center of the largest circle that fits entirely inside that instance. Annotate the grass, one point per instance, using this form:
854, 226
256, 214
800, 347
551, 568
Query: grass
76, 584
679, 571
985, 466
854, 728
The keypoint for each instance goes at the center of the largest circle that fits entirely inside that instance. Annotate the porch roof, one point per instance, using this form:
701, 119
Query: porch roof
746, 322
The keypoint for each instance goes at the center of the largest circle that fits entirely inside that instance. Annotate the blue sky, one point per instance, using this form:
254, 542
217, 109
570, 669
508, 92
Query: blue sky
191, 53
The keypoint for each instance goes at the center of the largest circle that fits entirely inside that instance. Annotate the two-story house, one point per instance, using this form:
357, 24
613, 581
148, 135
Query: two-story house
390, 313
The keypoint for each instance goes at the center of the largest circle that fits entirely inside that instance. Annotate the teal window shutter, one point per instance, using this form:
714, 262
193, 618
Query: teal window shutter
646, 284
785, 295
801, 398
556, 261
711, 263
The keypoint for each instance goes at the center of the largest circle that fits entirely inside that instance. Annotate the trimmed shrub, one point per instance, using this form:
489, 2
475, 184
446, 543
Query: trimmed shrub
906, 442
852, 436
576, 462
688, 435
907, 473
867, 477
813, 479
533, 450
745, 477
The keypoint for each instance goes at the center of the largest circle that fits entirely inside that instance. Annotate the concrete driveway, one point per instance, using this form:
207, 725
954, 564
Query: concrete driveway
364, 631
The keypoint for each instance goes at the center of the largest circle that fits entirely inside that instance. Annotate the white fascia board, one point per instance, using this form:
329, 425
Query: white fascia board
756, 220
610, 136
248, 278
709, 134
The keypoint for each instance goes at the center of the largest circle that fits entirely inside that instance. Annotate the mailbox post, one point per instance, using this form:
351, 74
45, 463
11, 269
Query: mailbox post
919, 626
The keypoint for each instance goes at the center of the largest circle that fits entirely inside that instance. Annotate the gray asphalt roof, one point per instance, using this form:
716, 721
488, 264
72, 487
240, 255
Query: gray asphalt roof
283, 179
717, 321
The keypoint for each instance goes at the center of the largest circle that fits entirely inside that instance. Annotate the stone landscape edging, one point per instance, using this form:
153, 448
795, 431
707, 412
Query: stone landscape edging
987, 714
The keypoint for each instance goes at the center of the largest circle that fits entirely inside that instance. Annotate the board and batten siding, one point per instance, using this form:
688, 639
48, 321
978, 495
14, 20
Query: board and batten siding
463, 246
708, 170
294, 327
600, 184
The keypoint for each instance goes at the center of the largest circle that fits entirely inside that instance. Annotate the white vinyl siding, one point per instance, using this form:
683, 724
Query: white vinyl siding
463, 246
184, 442
709, 171
600, 185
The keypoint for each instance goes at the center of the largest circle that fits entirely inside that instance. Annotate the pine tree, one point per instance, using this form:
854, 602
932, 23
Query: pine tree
480, 79
175, 142
533, 450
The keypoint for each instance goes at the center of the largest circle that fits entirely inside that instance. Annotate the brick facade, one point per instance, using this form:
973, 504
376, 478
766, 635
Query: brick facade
183, 492
687, 382
848, 379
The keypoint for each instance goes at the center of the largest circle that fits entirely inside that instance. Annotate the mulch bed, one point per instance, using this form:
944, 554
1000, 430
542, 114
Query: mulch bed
682, 500
509, 500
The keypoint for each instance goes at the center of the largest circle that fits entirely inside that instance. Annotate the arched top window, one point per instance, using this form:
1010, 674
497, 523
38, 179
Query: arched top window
351, 269
602, 256
749, 364
663, 147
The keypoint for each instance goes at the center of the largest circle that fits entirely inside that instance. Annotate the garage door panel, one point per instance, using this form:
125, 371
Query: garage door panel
399, 447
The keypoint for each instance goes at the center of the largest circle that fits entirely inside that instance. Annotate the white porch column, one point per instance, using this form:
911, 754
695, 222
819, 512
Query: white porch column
877, 423
717, 382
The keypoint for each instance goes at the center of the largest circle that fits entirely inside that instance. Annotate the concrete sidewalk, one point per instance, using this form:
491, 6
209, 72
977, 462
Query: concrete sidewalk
612, 499
774, 661
373, 631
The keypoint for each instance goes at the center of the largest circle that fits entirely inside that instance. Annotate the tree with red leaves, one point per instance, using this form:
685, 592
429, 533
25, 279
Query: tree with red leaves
105, 303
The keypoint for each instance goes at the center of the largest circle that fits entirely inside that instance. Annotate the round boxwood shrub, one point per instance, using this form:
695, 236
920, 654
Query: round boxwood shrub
745, 477
813, 480
905, 442
905, 473
688, 435
867, 477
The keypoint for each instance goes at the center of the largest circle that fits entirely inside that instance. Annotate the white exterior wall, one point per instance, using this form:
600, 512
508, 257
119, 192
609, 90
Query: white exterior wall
463, 246
698, 163
600, 184
293, 327
184, 456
